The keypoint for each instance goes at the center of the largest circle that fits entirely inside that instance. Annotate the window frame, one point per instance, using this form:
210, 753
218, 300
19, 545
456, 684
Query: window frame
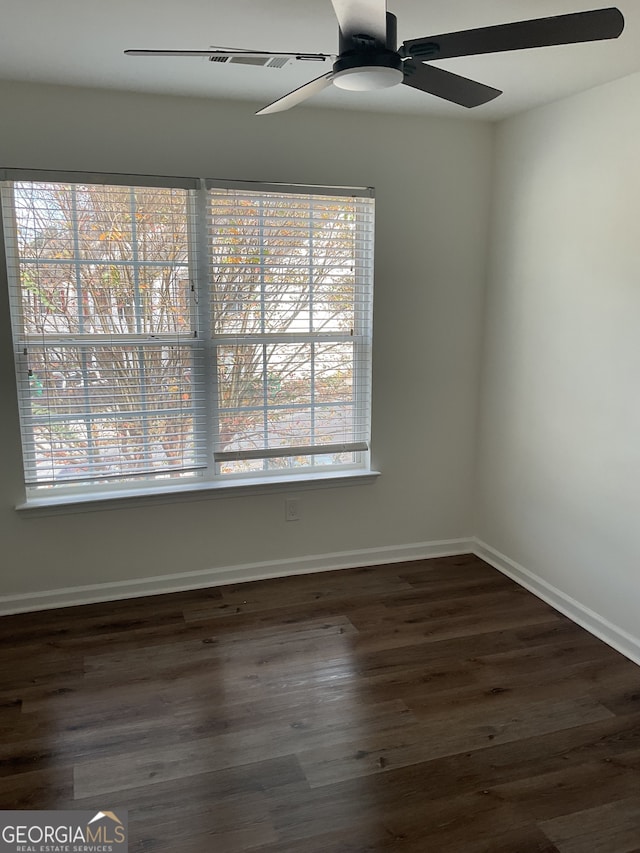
208, 479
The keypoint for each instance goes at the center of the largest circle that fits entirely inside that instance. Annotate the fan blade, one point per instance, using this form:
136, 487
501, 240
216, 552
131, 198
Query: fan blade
541, 32
245, 54
444, 84
362, 17
298, 95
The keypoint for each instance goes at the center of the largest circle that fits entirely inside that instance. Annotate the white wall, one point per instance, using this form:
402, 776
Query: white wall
432, 180
559, 443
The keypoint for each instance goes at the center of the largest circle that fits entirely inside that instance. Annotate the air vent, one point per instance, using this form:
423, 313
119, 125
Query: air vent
249, 60
264, 62
218, 59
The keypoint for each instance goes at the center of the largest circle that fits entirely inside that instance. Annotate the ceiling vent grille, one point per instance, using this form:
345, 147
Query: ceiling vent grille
266, 62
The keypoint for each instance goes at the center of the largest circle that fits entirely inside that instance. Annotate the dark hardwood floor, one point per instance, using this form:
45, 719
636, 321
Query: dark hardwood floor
430, 706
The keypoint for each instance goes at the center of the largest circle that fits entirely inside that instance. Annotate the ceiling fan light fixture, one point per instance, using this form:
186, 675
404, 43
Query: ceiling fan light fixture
369, 57
368, 78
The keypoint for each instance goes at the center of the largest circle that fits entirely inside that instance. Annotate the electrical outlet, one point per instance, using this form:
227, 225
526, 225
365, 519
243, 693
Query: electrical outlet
292, 509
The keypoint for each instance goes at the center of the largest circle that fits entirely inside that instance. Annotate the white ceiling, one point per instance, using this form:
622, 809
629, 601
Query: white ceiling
80, 42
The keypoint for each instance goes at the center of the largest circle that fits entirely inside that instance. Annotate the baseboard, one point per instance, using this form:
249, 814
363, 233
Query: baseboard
620, 640
161, 584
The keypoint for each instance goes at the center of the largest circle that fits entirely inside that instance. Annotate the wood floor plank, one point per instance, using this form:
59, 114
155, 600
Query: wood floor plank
378, 838
619, 690
610, 740
437, 656
466, 567
551, 795
299, 590
490, 686
440, 736
277, 737
229, 824
37, 789
249, 647
471, 822
609, 828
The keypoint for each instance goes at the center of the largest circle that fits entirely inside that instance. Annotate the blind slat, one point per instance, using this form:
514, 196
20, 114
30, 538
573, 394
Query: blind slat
300, 450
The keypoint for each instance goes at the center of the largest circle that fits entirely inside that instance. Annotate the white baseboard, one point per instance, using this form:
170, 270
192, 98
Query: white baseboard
161, 584
620, 640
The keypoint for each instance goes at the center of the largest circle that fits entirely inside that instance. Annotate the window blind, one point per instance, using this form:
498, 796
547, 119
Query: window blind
169, 332
290, 319
109, 365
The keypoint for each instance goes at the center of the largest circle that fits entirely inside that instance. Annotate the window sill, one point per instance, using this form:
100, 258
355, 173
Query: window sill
194, 492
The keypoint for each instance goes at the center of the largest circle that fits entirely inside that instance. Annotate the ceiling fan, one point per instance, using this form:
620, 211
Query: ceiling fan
369, 57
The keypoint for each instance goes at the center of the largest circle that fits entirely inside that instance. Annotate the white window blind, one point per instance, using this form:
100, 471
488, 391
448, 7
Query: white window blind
165, 334
291, 322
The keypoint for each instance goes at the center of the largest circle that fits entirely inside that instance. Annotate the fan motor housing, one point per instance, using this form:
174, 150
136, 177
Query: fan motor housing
379, 58
368, 70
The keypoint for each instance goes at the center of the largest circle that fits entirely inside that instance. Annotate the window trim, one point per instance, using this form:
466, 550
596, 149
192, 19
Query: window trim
206, 490
80, 497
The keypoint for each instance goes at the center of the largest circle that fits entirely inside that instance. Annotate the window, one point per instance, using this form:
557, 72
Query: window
178, 334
